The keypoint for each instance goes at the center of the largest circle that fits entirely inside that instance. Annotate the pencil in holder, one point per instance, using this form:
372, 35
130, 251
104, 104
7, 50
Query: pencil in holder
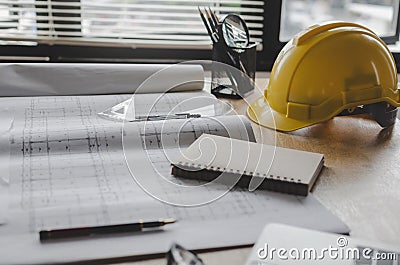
232, 47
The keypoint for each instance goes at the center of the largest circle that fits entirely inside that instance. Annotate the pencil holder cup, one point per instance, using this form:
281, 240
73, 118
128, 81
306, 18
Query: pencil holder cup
230, 83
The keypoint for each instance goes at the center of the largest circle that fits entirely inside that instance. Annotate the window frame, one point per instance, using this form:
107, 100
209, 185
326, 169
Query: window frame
96, 54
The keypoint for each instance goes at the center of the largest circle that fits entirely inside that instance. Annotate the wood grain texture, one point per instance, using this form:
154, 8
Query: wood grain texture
361, 180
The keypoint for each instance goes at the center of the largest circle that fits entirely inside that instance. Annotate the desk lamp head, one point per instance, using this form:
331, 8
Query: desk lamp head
337, 68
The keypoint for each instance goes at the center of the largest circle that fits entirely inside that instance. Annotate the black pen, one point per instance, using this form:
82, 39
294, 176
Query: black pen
102, 230
167, 117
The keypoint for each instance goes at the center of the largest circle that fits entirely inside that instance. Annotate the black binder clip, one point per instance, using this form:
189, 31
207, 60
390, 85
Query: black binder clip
178, 255
231, 46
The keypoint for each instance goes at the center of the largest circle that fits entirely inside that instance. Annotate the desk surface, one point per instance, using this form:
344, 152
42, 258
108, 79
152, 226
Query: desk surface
361, 181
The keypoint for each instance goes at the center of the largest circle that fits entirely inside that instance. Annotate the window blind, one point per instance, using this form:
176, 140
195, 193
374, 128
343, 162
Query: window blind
132, 23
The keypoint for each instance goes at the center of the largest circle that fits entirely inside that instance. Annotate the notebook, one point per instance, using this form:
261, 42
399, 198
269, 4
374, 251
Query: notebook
246, 164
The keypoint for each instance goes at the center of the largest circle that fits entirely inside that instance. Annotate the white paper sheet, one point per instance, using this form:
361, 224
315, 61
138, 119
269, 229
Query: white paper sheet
45, 79
4, 185
6, 125
68, 170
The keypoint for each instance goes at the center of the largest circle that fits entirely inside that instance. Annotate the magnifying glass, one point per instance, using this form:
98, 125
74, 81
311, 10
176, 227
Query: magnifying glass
235, 31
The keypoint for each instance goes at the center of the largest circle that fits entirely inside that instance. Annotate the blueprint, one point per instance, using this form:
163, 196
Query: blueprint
69, 167
44, 79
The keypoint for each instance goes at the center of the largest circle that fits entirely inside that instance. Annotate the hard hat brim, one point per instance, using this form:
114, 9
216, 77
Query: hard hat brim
261, 113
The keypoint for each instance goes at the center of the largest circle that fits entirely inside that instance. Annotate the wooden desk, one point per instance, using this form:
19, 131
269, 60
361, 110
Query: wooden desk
361, 181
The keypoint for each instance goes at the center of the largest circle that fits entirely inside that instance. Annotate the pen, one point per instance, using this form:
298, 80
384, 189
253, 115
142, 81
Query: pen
102, 230
167, 117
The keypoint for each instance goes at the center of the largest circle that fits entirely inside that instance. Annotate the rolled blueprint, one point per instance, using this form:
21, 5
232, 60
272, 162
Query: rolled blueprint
44, 79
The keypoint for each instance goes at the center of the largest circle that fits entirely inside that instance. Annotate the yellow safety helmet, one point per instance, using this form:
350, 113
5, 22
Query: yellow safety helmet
337, 68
